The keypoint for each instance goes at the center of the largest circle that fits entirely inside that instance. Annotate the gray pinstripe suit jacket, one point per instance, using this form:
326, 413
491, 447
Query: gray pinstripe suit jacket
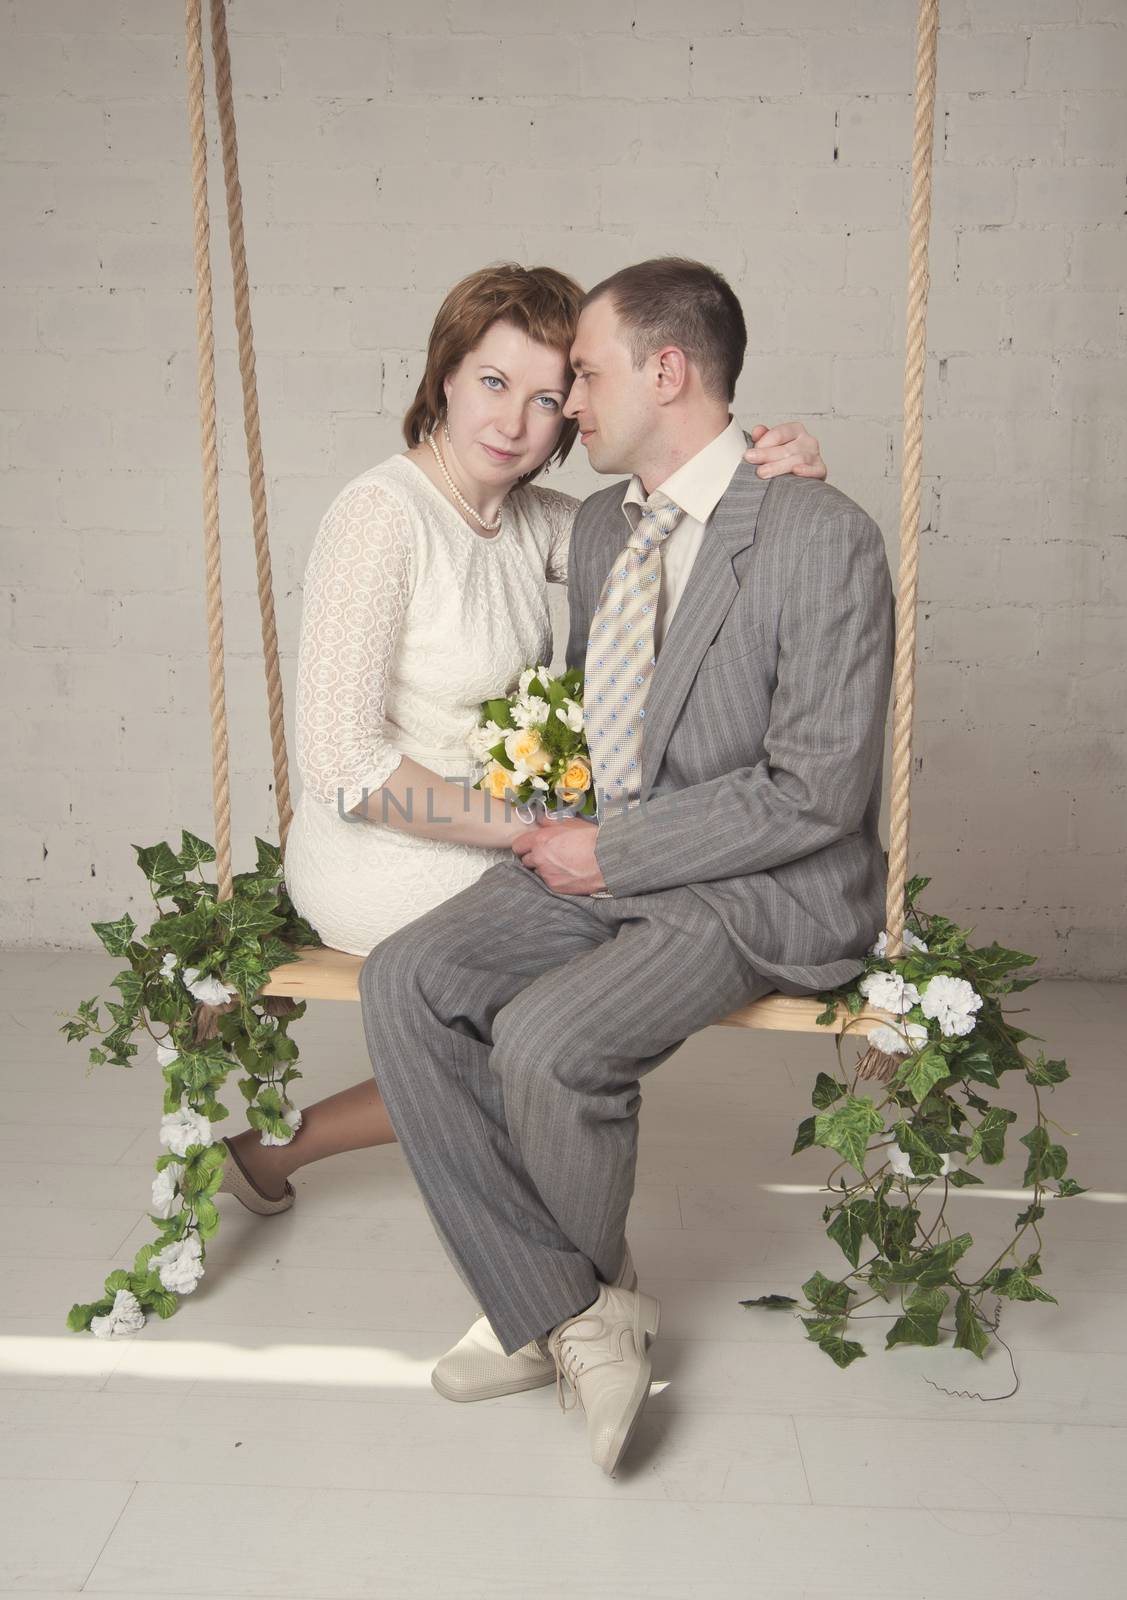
764, 736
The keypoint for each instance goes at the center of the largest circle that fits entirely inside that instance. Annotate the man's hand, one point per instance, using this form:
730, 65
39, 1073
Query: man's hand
786, 448
563, 853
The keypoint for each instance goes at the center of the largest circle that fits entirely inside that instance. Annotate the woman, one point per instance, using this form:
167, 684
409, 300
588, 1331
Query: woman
425, 593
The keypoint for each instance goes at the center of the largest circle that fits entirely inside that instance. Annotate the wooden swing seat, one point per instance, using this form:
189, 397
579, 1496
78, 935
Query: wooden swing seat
321, 973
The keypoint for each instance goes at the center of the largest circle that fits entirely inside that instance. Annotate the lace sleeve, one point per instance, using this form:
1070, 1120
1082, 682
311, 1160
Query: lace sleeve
358, 582
558, 510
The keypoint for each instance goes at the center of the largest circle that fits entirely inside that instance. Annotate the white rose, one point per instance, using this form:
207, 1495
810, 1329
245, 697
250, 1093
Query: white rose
124, 1316
166, 1189
884, 1037
166, 1054
209, 990
527, 676
952, 1002
571, 713
910, 942
901, 1164
527, 712
889, 992
179, 1129
482, 740
179, 1264
290, 1115
168, 965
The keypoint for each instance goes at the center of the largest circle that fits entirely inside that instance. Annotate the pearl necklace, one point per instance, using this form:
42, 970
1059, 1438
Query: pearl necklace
491, 527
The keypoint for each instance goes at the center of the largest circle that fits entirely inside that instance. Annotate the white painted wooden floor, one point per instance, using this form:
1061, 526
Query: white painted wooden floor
279, 1436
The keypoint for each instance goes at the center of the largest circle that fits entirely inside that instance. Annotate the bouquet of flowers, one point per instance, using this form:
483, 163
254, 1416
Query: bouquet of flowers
533, 746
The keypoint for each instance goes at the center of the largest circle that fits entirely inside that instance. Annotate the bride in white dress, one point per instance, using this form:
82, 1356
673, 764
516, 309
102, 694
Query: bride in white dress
424, 594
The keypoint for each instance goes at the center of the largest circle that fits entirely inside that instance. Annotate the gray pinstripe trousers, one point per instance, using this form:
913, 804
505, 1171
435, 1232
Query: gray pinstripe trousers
508, 1029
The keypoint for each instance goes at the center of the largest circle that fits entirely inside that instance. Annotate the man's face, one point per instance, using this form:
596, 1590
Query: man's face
611, 400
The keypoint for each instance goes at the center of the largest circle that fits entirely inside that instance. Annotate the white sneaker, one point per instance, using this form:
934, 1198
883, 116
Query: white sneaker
602, 1354
478, 1369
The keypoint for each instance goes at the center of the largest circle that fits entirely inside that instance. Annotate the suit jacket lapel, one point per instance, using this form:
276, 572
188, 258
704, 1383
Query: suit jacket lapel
711, 587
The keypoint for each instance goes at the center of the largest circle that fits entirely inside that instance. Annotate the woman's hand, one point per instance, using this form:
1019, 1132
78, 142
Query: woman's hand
787, 447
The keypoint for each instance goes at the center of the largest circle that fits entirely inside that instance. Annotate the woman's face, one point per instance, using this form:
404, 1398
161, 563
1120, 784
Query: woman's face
504, 405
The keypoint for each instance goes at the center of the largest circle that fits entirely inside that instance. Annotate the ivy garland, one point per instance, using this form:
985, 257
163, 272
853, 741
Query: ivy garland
198, 972
954, 1041
200, 969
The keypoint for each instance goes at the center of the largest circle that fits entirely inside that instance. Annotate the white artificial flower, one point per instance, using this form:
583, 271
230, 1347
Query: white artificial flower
290, 1115
166, 1189
482, 740
124, 1316
910, 942
179, 1264
884, 1037
889, 992
166, 1054
571, 713
952, 1002
901, 1164
209, 990
537, 781
179, 1129
530, 710
527, 676
168, 965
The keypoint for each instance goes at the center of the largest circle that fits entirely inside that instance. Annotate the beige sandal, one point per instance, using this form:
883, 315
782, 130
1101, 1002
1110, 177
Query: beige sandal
238, 1181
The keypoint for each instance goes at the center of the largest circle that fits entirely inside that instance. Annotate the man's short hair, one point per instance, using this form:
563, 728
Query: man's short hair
671, 300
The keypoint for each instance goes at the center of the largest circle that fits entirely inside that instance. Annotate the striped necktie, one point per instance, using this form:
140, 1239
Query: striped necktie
620, 657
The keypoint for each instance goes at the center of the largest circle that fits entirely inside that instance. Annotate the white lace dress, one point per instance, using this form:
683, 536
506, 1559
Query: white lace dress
409, 621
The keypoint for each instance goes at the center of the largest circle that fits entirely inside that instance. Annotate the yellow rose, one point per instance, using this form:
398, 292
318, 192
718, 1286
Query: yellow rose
577, 777
499, 780
524, 749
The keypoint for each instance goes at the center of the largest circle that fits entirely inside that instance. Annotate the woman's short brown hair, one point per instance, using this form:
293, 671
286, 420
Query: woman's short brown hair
541, 302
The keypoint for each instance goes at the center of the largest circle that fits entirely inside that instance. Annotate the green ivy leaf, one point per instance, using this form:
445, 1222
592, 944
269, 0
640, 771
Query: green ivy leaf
978, 1066
116, 935
849, 1227
1068, 1186
926, 1162
1043, 1072
920, 1322
193, 851
920, 1073
841, 1351
805, 1136
970, 1334
826, 1091
826, 1294
849, 1129
1046, 1160
962, 1179
989, 1139
772, 1302
936, 1266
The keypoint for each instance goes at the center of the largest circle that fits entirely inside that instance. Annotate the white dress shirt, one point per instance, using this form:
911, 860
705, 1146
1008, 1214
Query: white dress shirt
697, 487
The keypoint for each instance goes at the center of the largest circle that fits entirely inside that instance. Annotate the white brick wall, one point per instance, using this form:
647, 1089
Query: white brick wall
387, 147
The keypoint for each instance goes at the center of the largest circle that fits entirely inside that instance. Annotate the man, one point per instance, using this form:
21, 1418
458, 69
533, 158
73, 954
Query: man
747, 629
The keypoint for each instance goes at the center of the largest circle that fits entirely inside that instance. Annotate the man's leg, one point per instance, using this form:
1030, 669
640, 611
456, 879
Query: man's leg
429, 995
508, 1030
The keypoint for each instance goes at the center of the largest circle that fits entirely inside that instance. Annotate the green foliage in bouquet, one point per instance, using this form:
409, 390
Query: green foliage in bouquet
925, 1129
226, 949
533, 744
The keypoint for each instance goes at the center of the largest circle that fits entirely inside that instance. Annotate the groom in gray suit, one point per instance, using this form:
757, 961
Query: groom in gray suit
746, 630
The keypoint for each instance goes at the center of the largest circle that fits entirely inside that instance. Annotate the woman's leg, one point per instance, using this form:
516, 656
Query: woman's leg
351, 1120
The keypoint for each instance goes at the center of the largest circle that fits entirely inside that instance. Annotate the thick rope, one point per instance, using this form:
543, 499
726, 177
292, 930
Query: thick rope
911, 468
251, 428
205, 333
